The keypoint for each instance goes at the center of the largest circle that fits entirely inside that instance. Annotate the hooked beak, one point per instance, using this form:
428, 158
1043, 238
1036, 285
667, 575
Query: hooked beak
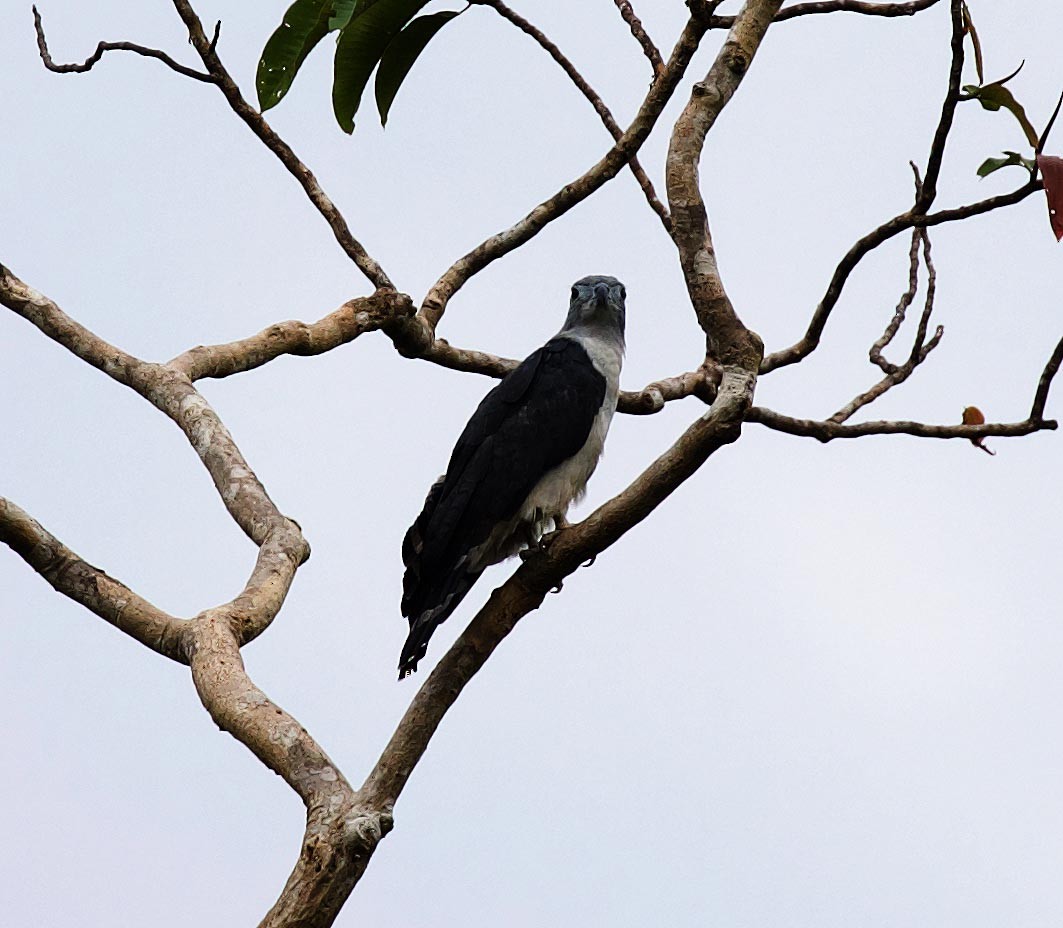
601, 294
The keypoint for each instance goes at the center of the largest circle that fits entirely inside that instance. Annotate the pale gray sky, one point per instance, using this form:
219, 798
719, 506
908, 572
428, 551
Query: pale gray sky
819, 688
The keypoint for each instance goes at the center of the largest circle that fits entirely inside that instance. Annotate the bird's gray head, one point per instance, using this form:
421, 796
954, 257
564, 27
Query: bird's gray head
597, 303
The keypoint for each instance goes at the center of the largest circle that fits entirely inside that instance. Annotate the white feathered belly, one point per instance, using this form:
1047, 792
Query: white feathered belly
565, 484
548, 500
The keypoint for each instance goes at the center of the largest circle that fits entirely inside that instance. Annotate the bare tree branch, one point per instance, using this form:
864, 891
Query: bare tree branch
353, 318
921, 348
827, 431
635, 25
570, 195
257, 124
74, 577
101, 48
1037, 411
907, 220
928, 191
281, 544
593, 98
838, 6
875, 353
728, 341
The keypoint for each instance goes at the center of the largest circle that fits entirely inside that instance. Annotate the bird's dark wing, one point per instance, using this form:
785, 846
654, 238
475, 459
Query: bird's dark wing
537, 417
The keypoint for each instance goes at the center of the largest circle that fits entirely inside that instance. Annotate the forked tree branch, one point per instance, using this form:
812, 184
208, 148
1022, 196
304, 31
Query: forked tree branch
282, 547
899, 223
591, 95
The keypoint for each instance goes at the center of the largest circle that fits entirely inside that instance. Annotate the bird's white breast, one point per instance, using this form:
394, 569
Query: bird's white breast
559, 488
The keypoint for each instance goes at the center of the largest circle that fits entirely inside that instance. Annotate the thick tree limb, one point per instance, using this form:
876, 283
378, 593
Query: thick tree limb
353, 318
257, 124
591, 95
89, 63
728, 340
570, 195
102, 595
281, 544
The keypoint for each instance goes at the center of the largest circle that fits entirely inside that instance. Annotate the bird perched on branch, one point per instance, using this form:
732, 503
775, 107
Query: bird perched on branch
523, 459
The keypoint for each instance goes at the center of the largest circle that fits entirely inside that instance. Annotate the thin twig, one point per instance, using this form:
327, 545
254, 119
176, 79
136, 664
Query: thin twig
257, 124
875, 353
635, 25
921, 348
1045, 383
928, 190
907, 220
592, 97
837, 6
91, 61
827, 431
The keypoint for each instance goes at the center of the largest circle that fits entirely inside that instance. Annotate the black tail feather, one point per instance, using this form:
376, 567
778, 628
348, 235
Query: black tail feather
450, 595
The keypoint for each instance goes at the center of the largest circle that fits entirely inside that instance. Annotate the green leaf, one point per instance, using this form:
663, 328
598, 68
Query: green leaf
342, 12
303, 26
400, 56
1010, 157
360, 47
996, 96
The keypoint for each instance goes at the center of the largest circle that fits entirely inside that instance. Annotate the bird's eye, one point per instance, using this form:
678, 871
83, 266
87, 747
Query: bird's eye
623, 292
575, 293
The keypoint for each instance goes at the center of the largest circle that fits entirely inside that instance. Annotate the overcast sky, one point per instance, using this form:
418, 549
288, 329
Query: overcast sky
819, 687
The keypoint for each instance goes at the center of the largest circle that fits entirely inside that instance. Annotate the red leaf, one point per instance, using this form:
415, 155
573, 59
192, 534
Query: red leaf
1051, 169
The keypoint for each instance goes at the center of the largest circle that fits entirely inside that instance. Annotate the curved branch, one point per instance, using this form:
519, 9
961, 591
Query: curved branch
89, 63
102, 595
353, 318
281, 544
570, 195
592, 97
728, 340
257, 124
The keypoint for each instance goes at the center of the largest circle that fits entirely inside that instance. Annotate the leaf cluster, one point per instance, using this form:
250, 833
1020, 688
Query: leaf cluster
385, 35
